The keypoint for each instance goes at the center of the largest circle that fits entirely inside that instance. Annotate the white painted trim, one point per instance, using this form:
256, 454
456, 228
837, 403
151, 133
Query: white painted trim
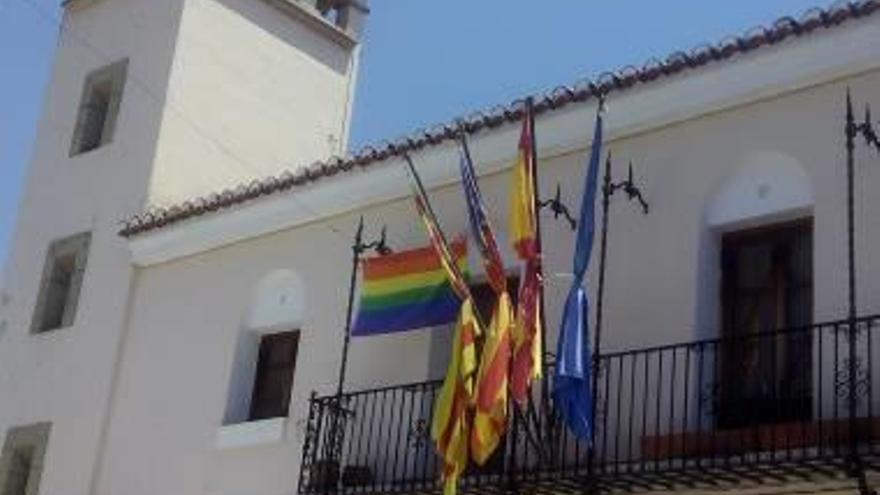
251, 434
769, 72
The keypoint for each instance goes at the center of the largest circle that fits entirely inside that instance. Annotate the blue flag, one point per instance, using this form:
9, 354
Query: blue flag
571, 387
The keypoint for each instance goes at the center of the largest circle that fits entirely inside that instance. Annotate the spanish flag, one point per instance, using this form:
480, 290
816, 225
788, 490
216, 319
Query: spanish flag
490, 418
526, 360
450, 427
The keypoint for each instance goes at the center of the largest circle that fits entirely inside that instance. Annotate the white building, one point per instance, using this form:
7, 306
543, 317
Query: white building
178, 355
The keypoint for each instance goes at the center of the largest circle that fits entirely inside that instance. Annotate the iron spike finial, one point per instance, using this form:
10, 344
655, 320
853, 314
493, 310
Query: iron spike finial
359, 233
848, 102
382, 246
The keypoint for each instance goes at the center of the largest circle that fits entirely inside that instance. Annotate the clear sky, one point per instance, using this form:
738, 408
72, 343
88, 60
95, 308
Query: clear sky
424, 61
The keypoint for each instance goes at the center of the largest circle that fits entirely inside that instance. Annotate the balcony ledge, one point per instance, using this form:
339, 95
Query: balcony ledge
251, 434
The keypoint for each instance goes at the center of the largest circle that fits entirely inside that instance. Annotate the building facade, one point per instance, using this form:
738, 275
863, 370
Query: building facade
180, 355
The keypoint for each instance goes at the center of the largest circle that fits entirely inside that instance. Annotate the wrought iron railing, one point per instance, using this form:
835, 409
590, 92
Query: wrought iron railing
717, 408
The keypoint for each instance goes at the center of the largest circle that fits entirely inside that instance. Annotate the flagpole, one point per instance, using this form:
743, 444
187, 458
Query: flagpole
852, 130
427, 203
356, 250
607, 190
424, 193
545, 391
334, 446
633, 193
545, 385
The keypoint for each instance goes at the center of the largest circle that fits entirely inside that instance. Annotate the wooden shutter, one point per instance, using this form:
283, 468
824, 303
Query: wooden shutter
274, 377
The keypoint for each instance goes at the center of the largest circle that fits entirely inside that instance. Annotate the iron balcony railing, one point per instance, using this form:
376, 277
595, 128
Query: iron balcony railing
696, 412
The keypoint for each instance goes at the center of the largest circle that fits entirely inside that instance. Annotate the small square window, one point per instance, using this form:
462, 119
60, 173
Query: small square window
60, 286
274, 377
99, 105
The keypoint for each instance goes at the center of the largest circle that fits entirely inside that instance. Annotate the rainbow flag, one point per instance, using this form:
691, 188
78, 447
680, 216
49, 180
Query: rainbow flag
408, 290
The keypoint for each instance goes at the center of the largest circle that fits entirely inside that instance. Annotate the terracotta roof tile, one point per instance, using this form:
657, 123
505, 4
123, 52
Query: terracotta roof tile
626, 77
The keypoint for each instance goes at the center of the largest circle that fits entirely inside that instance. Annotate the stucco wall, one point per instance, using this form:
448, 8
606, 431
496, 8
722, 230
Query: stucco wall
243, 61
662, 283
283, 90
64, 376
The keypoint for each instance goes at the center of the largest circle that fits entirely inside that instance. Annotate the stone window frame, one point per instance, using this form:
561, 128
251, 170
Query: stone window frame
32, 439
115, 75
77, 246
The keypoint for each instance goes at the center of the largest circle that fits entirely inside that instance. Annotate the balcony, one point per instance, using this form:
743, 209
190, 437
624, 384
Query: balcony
783, 404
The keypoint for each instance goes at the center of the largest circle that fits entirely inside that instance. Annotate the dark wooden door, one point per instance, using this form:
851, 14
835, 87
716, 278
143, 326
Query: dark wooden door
767, 286
274, 377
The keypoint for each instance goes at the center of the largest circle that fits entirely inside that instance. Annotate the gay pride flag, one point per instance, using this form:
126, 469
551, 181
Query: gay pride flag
408, 290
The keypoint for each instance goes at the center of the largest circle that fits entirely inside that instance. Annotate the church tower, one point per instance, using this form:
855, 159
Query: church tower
149, 103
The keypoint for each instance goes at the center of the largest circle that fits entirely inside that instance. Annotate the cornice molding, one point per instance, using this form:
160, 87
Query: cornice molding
794, 65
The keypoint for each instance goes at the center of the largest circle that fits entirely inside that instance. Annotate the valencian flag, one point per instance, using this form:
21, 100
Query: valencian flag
526, 360
490, 419
571, 388
407, 290
450, 428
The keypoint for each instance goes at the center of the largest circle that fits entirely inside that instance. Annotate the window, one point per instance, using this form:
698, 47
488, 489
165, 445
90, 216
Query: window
21, 460
274, 376
99, 105
767, 285
60, 286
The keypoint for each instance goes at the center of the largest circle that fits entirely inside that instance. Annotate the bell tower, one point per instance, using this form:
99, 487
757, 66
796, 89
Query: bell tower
149, 103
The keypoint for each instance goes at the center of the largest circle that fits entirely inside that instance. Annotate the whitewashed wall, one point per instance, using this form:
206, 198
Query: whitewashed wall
243, 74
64, 377
662, 278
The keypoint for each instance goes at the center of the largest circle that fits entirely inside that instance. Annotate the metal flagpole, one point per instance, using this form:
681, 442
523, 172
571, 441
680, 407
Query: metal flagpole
352, 282
608, 189
545, 391
852, 130
357, 249
632, 193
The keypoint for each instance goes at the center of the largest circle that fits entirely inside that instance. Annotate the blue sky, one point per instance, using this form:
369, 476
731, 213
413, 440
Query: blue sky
424, 61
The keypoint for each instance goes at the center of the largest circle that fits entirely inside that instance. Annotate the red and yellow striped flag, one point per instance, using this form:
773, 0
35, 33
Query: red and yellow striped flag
526, 360
450, 427
490, 418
